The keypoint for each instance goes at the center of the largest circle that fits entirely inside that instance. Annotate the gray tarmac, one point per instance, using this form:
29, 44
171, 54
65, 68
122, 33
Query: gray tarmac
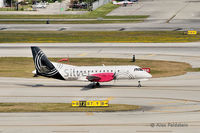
165, 103
148, 25
168, 104
168, 10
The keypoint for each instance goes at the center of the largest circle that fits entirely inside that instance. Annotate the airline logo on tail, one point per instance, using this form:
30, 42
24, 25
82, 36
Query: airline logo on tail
43, 66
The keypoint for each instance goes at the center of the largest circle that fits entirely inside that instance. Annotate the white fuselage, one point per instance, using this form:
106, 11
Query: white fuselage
70, 72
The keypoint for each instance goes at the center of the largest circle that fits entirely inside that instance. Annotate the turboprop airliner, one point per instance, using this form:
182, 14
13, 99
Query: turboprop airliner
94, 74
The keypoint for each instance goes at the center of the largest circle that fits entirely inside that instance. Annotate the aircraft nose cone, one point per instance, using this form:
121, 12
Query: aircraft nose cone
148, 75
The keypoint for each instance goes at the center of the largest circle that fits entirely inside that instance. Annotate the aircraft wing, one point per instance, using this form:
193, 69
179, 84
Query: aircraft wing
101, 77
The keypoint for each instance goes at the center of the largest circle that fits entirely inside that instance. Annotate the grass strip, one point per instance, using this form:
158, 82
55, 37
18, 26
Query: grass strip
62, 107
8, 9
23, 66
193, 69
96, 36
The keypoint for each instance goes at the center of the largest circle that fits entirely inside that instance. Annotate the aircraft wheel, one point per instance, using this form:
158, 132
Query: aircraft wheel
93, 85
97, 84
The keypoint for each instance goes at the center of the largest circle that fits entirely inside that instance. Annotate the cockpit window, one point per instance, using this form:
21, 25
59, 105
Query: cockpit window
138, 69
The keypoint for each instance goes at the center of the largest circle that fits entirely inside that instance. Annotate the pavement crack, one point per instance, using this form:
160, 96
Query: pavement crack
62, 29
3, 28
168, 21
122, 29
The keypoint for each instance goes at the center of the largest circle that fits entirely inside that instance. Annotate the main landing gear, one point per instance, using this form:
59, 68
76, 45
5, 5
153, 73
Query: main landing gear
96, 84
139, 84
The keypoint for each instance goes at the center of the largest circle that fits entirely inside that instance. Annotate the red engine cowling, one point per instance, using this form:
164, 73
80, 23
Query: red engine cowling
102, 77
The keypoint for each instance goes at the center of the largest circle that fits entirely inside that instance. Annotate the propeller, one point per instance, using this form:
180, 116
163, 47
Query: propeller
114, 77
